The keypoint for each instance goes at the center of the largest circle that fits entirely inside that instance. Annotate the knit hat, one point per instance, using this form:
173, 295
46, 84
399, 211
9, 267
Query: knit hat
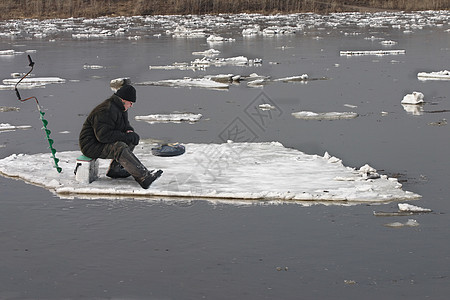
127, 92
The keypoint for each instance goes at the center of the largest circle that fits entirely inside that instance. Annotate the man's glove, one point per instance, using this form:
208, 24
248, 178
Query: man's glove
133, 138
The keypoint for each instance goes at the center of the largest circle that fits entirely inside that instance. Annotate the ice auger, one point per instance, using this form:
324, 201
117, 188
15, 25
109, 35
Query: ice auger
41, 117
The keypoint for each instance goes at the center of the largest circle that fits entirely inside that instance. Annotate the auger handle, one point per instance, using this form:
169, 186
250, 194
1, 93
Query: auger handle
18, 94
31, 61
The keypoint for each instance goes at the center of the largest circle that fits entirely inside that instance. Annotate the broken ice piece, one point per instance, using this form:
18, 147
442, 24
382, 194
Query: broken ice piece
409, 223
412, 208
414, 98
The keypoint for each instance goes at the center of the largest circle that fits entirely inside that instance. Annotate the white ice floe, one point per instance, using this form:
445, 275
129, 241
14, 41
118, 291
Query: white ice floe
440, 75
188, 82
251, 31
266, 106
230, 61
234, 171
371, 52
209, 61
409, 223
185, 32
202, 26
414, 98
41, 80
173, 117
224, 78
309, 115
7, 52
8, 108
303, 77
218, 39
388, 43
22, 86
92, 67
208, 53
9, 127
412, 208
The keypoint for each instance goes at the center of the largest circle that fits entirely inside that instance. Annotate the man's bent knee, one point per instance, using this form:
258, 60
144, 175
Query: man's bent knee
113, 151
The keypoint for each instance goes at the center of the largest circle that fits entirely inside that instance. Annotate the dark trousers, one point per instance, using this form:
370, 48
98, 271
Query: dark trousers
114, 150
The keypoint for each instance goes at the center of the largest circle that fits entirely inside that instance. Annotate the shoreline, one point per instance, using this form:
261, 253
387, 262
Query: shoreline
47, 9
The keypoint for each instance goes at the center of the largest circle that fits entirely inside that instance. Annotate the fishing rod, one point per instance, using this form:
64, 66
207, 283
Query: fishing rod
41, 117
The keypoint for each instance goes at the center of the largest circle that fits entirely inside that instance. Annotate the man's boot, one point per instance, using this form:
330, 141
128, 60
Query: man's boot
139, 172
116, 170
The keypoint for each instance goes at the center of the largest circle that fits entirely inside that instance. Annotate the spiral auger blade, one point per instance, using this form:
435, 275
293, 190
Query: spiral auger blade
41, 113
50, 141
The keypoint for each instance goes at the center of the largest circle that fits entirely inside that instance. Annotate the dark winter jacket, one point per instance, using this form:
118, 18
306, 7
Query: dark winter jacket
107, 123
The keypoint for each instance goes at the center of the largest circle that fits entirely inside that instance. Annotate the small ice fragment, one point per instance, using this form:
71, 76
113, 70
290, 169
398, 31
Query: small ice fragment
42, 80
174, 117
7, 52
92, 67
303, 77
412, 208
414, 98
309, 115
350, 105
409, 223
372, 52
388, 43
266, 106
209, 52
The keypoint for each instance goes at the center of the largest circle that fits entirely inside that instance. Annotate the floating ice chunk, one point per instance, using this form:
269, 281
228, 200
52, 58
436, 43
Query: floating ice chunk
42, 80
174, 117
23, 85
215, 39
441, 122
309, 115
388, 43
257, 82
412, 208
209, 53
251, 31
409, 223
224, 78
183, 32
303, 77
188, 82
266, 106
278, 30
92, 67
7, 108
372, 52
8, 127
414, 98
440, 75
301, 177
7, 52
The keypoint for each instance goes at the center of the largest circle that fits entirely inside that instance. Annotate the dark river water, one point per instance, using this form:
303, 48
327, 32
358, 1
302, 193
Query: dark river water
53, 248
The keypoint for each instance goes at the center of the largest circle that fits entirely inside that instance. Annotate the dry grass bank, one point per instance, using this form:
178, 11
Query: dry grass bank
94, 8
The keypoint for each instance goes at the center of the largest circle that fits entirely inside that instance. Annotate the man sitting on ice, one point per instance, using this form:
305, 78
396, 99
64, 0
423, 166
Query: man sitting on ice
107, 134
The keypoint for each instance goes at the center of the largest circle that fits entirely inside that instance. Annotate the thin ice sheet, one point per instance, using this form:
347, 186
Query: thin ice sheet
229, 171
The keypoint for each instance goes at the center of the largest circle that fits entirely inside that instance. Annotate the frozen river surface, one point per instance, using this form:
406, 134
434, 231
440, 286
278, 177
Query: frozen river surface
330, 83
